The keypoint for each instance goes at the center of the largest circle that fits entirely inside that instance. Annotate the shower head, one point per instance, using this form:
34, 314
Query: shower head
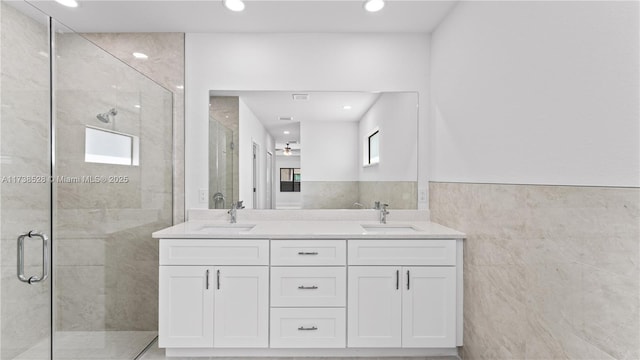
106, 117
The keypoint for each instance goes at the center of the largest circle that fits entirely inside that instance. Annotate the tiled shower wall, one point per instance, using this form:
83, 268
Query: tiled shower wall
166, 67
111, 299
105, 259
551, 272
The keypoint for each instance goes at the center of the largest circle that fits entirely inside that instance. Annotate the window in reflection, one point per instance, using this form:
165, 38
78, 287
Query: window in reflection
290, 179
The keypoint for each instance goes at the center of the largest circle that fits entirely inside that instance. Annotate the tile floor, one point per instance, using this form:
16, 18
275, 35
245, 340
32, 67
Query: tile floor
92, 345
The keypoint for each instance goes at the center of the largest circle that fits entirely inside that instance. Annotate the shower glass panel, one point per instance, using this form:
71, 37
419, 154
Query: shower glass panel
105, 261
25, 191
221, 148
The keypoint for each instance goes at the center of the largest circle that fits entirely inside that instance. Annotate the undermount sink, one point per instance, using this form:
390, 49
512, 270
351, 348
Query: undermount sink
225, 228
389, 229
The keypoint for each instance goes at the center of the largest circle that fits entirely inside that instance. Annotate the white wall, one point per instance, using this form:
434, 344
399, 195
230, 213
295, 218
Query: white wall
323, 62
394, 114
536, 93
252, 131
287, 200
329, 151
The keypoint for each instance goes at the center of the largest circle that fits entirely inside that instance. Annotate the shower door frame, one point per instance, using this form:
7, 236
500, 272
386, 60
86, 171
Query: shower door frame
28, 231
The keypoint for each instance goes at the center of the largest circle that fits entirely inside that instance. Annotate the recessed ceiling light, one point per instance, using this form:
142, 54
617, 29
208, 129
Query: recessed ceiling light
287, 132
139, 55
374, 5
137, 106
181, 87
68, 3
347, 107
234, 5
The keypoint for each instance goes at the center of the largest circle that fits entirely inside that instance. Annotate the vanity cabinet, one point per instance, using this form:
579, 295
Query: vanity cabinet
402, 306
204, 305
370, 297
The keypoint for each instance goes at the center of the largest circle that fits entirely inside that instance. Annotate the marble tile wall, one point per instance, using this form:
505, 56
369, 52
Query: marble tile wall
165, 66
398, 194
307, 215
24, 149
106, 261
345, 194
551, 272
329, 194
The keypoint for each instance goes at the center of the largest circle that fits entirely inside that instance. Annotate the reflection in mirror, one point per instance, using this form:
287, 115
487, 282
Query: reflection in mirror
223, 160
290, 179
355, 148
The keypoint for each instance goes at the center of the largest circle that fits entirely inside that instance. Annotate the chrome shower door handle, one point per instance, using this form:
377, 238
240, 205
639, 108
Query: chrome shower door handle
45, 257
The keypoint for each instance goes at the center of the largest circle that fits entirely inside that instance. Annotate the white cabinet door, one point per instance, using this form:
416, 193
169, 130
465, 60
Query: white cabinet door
429, 307
374, 307
186, 307
241, 306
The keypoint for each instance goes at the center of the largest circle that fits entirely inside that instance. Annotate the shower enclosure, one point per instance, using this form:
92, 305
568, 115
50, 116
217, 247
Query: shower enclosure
221, 149
85, 178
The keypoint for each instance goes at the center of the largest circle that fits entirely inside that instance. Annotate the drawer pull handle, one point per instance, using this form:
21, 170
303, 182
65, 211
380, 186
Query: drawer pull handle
408, 280
302, 287
207, 281
302, 328
307, 253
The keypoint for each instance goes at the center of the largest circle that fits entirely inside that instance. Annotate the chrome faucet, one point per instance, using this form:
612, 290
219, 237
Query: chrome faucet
218, 200
383, 213
233, 212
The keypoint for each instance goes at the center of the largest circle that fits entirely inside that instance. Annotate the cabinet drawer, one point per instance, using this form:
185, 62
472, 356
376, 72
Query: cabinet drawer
402, 252
214, 252
308, 328
308, 252
308, 286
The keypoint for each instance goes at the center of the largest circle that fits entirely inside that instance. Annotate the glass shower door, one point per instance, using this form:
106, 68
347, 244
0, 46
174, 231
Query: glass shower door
25, 187
113, 161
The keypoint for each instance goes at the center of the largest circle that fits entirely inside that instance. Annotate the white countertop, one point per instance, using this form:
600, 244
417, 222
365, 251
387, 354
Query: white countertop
324, 229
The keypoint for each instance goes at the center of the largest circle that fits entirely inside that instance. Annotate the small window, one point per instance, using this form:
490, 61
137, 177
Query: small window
109, 147
373, 148
289, 180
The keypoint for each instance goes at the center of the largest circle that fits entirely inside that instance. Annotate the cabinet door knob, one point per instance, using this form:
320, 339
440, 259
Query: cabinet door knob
302, 328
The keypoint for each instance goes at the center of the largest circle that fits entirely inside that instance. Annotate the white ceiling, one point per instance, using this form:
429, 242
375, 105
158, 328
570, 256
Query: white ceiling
269, 106
206, 16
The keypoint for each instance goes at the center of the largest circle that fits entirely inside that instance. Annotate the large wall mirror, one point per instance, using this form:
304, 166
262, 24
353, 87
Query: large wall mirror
313, 150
